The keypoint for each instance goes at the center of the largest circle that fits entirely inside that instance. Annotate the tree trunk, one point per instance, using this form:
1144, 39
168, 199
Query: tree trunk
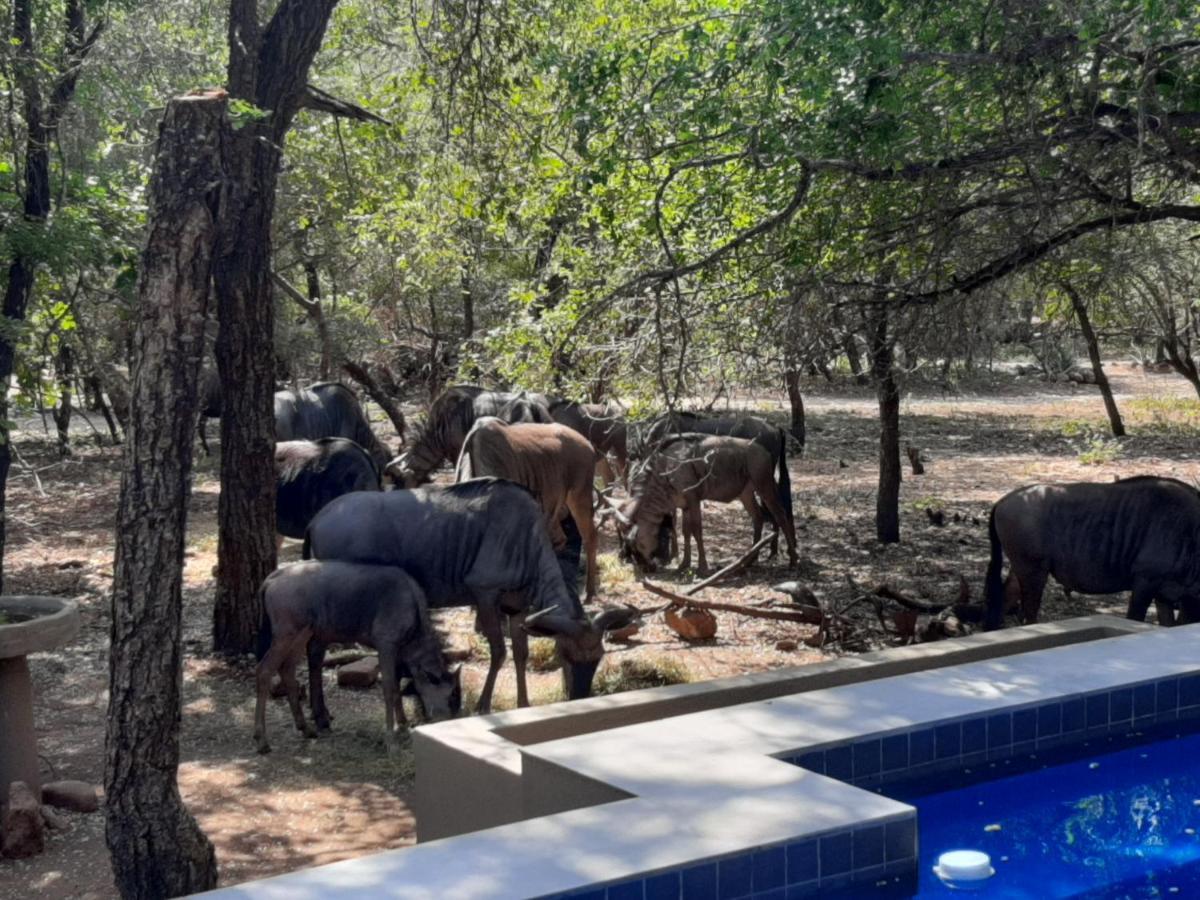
65, 370
268, 68
157, 848
93, 384
360, 374
883, 370
791, 379
1093, 348
312, 282
467, 291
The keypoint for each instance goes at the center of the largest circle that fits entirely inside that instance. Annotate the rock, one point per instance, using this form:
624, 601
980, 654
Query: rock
22, 832
692, 623
786, 645
54, 820
361, 674
77, 796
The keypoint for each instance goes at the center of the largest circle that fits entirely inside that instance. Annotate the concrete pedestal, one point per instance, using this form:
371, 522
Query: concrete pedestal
18, 749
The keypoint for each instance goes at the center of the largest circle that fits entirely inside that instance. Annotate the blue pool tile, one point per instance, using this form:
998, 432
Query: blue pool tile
1143, 700
814, 762
590, 894
999, 731
895, 752
1189, 690
920, 747
1024, 725
836, 850
974, 735
775, 894
868, 847
867, 760
839, 763
1120, 705
900, 839
770, 869
804, 891
663, 887
1097, 711
627, 890
802, 861
1049, 720
700, 882
1073, 715
947, 741
735, 877
1168, 696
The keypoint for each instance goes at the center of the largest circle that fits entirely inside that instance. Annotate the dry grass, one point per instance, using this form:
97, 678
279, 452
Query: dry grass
638, 672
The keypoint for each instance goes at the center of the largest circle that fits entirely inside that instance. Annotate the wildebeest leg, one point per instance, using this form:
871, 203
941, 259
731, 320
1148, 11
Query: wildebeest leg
270, 664
605, 470
1139, 600
1033, 583
391, 694
782, 521
1165, 612
200, 427
581, 512
487, 620
520, 652
316, 685
288, 676
1189, 610
692, 523
756, 516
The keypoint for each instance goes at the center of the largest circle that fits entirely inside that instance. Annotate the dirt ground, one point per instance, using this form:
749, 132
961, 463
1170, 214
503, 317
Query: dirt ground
313, 802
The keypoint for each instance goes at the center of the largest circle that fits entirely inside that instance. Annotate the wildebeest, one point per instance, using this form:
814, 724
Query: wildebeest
440, 438
481, 543
317, 603
604, 425
210, 403
324, 410
684, 471
770, 437
1140, 534
555, 462
311, 474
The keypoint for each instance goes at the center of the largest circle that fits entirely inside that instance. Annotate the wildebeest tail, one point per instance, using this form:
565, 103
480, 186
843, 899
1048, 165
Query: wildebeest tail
264, 626
306, 548
994, 585
785, 480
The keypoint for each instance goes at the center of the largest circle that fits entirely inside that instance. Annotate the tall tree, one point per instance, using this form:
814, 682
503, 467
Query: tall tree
157, 848
46, 88
267, 83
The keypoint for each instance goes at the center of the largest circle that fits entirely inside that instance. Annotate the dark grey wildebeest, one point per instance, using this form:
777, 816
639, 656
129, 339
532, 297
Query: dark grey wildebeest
326, 410
309, 475
482, 543
440, 438
1141, 534
309, 605
603, 424
684, 471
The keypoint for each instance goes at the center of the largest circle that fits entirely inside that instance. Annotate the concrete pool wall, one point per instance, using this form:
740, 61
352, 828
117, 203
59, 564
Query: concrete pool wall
758, 799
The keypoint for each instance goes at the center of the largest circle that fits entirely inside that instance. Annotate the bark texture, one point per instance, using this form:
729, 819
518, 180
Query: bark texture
157, 848
268, 68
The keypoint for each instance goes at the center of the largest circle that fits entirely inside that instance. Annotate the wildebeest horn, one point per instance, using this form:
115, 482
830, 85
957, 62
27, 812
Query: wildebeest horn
549, 622
615, 617
616, 510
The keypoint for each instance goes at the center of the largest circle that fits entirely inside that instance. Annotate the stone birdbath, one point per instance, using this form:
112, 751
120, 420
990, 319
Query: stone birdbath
27, 625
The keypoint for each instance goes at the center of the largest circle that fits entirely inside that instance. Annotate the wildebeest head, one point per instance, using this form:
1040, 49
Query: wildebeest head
580, 642
440, 692
401, 473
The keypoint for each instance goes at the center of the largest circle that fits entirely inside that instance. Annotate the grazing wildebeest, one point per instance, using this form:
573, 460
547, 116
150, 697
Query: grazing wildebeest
684, 471
770, 437
450, 417
603, 425
311, 474
481, 543
210, 403
1140, 534
555, 462
317, 603
326, 410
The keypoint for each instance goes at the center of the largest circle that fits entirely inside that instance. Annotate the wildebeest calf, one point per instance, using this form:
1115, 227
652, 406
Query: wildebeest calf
311, 474
556, 463
1140, 534
683, 472
379, 606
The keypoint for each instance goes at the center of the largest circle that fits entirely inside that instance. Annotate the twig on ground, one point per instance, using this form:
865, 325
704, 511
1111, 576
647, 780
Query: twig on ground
734, 566
802, 615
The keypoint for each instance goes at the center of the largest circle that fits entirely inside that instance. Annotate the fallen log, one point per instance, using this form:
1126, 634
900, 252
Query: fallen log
734, 566
802, 615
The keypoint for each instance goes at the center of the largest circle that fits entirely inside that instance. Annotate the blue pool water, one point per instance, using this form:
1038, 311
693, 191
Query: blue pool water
1119, 822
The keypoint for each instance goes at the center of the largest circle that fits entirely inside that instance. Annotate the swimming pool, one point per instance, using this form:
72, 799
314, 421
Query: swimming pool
1116, 817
